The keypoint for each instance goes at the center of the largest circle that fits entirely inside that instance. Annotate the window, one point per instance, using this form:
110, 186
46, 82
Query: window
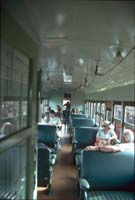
14, 90
92, 110
118, 112
129, 117
109, 106
98, 113
103, 108
108, 115
117, 119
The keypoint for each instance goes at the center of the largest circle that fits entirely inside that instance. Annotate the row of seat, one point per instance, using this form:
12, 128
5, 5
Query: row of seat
83, 132
101, 175
48, 146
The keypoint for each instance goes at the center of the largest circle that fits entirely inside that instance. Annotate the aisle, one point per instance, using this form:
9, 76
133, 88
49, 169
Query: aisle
64, 178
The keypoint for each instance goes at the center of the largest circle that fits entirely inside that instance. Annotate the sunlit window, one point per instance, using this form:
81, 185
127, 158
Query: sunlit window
14, 90
129, 115
118, 112
103, 109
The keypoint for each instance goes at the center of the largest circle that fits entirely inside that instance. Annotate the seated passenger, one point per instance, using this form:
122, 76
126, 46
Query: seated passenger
127, 140
73, 110
105, 134
77, 111
54, 120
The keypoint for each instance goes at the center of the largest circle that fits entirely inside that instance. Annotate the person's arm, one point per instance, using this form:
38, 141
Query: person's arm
110, 148
113, 136
91, 148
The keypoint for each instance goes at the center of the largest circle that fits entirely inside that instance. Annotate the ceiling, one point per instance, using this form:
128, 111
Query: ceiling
93, 42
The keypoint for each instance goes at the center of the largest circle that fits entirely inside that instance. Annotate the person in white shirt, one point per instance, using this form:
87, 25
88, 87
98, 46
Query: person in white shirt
53, 119
105, 134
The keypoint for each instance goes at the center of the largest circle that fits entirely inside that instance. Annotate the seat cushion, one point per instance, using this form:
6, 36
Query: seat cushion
110, 195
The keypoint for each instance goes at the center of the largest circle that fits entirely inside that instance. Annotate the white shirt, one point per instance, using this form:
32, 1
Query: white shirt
105, 136
55, 121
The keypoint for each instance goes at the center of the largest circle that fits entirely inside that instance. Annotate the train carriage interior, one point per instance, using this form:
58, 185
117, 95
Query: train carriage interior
67, 67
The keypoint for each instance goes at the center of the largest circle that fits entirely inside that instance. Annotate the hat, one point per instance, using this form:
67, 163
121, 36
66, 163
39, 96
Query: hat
107, 124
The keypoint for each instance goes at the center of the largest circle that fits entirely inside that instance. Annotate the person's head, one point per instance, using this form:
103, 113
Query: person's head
127, 136
107, 125
73, 110
52, 113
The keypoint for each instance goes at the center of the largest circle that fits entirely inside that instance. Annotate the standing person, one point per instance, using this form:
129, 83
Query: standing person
67, 112
58, 114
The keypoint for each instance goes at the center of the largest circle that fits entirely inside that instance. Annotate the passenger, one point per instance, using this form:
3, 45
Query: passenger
67, 106
77, 111
67, 112
127, 140
106, 134
54, 120
73, 110
58, 113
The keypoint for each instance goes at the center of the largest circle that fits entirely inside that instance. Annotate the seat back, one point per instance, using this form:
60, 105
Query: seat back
47, 134
103, 170
81, 115
78, 122
85, 136
43, 165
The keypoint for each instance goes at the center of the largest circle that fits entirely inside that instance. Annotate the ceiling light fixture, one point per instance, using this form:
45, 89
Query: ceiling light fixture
81, 61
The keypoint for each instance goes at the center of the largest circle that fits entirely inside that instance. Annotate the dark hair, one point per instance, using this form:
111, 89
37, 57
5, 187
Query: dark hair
52, 112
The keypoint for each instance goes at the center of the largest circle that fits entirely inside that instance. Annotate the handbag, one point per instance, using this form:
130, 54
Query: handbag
115, 141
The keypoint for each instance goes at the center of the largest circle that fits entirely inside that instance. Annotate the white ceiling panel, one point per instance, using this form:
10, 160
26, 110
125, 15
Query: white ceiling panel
75, 35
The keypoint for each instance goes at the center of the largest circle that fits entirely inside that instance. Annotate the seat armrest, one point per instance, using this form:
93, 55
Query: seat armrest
84, 185
52, 159
74, 142
57, 139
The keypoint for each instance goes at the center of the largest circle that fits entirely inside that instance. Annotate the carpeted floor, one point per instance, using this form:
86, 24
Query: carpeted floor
64, 179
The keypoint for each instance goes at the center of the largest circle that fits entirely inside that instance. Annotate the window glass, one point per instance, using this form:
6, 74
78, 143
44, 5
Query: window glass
129, 115
118, 112
9, 117
14, 89
108, 115
24, 109
91, 114
98, 114
94, 111
103, 108
87, 107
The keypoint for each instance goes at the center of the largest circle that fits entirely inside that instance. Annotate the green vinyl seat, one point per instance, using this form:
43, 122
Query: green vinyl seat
107, 175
